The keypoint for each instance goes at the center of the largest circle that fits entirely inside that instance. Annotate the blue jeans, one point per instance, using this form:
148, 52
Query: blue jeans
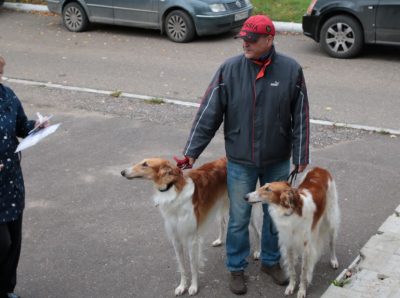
241, 180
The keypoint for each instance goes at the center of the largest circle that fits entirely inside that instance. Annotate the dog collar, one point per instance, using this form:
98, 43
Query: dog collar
289, 214
167, 188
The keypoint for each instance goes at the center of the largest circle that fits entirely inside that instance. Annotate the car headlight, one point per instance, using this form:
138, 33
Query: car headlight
217, 7
247, 2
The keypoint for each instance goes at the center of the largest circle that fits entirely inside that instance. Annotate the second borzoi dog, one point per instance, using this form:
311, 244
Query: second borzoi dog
305, 217
188, 202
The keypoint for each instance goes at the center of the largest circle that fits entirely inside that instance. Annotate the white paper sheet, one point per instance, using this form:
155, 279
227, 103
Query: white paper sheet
34, 138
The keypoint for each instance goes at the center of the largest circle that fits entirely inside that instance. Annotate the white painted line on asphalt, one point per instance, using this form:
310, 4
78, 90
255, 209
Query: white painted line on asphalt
188, 104
99, 91
357, 126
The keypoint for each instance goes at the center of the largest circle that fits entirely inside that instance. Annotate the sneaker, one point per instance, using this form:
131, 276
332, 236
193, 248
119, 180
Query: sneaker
237, 284
278, 275
13, 295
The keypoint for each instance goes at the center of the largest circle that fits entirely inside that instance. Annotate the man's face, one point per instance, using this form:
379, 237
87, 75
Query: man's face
254, 50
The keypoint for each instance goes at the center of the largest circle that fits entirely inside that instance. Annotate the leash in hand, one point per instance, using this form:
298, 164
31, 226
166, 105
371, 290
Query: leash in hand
293, 175
183, 164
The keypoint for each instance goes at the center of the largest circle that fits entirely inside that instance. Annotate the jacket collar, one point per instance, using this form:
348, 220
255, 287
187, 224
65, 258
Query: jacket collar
264, 61
269, 55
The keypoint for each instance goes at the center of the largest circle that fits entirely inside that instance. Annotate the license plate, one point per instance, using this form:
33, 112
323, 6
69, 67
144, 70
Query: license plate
241, 16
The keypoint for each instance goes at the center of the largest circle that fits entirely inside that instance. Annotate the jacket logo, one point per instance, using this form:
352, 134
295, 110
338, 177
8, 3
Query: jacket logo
275, 84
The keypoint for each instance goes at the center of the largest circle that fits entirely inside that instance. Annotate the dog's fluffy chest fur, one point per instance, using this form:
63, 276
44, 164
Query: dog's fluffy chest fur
294, 229
177, 209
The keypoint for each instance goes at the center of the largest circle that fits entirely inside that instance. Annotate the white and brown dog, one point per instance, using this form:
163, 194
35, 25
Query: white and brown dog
188, 202
306, 218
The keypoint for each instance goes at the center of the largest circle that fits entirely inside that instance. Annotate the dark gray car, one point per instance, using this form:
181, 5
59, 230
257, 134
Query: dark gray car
181, 20
342, 27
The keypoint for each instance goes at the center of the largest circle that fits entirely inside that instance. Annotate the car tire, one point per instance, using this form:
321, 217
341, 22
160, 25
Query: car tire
179, 26
1, 2
74, 17
342, 37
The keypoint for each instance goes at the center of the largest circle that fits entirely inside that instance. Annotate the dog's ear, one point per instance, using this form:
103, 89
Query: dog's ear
169, 169
288, 198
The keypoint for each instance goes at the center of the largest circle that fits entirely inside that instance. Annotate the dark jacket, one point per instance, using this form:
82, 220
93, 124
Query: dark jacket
265, 114
13, 124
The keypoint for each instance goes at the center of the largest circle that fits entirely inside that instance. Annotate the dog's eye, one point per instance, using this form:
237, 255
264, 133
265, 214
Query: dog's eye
144, 164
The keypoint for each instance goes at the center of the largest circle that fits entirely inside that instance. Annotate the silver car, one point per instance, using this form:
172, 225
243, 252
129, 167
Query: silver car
181, 20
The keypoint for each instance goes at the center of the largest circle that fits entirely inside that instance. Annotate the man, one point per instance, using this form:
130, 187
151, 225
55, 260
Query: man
261, 97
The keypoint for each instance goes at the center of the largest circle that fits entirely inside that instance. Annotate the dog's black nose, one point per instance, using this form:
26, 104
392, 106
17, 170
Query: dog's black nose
123, 173
246, 198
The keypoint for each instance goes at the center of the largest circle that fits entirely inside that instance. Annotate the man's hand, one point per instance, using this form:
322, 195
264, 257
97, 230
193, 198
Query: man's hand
42, 121
185, 163
191, 160
1, 166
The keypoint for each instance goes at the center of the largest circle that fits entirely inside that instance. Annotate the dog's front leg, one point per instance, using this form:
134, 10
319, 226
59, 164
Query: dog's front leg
290, 265
178, 247
307, 267
255, 219
194, 255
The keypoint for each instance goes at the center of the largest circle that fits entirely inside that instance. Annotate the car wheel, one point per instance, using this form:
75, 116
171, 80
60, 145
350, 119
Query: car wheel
179, 26
74, 17
342, 37
1, 2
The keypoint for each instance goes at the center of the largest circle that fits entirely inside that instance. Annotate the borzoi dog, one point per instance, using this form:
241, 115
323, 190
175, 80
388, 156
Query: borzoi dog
188, 202
306, 218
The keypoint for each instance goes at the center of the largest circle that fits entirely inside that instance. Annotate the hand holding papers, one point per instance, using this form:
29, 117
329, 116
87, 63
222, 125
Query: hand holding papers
42, 122
41, 131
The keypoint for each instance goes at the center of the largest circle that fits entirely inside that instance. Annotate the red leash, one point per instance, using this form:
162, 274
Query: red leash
183, 163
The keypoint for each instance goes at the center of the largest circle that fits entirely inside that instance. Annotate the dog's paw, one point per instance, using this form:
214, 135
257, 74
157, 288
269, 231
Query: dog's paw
289, 290
217, 242
256, 255
301, 293
193, 290
179, 290
335, 263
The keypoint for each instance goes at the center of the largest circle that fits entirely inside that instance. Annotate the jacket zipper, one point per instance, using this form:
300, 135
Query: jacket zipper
254, 123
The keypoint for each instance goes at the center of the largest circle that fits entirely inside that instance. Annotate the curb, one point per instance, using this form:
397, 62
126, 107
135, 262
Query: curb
374, 272
25, 7
279, 26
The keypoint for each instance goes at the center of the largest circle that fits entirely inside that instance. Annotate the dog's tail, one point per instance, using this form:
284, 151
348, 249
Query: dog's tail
333, 215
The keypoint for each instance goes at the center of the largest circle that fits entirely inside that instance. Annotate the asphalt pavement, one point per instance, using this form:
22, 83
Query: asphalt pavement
89, 232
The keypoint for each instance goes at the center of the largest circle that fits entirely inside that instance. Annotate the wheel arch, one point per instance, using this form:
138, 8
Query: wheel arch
80, 2
172, 8
326, 16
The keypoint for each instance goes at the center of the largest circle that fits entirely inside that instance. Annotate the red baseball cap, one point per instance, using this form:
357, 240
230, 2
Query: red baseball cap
256, 26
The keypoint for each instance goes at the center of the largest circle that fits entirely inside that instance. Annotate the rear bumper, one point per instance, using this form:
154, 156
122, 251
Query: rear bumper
215, 24
310, 27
